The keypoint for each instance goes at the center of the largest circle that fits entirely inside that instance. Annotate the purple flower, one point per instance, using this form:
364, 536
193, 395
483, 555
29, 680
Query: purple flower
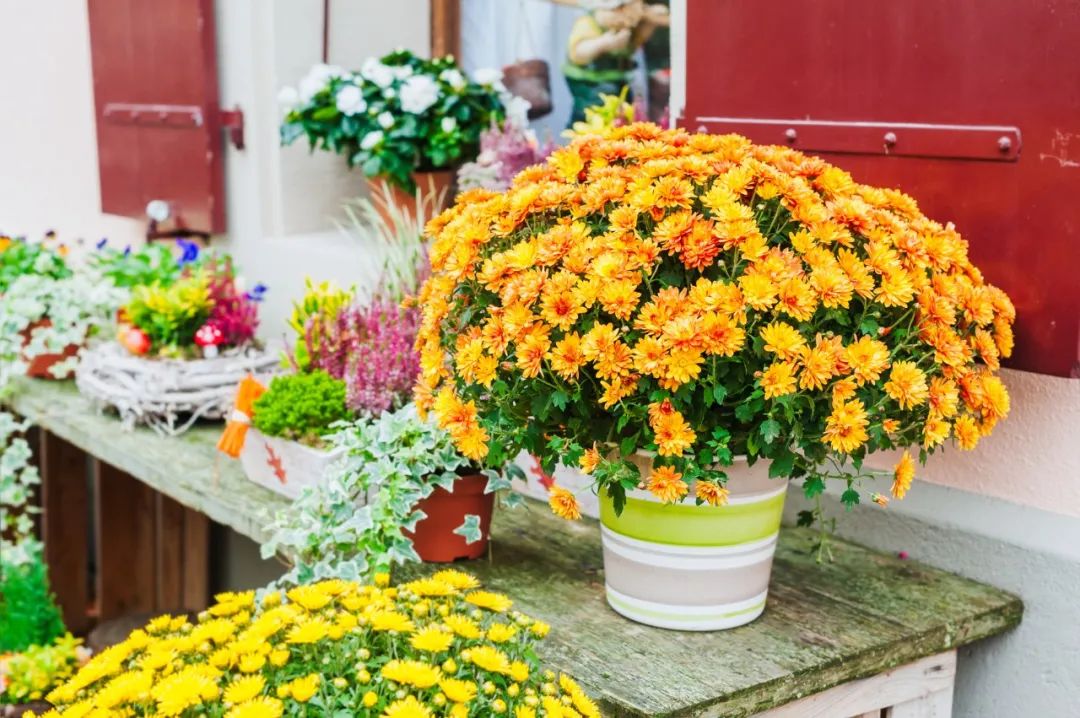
371, 349
101, 243
257, 293
189, 252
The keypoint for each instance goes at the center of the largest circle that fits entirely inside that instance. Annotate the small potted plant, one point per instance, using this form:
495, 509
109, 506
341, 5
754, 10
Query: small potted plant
183, 345
285, 449
440, 645
402, 119
693, 320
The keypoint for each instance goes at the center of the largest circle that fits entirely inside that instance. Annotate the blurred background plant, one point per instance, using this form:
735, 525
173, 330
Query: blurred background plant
29, 675
504, 151
19, 258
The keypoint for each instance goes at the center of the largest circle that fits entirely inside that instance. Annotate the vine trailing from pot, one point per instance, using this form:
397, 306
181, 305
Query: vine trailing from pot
353, 524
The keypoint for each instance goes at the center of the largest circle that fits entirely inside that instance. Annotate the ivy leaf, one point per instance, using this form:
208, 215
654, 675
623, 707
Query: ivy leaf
496, 481
470, 529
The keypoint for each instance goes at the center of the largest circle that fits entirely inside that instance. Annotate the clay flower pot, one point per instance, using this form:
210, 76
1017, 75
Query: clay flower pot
688, 567
432, 183
434, 537
40, 366
284, 466
530, 80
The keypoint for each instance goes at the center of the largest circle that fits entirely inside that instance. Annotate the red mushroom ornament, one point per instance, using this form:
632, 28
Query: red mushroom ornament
209, 337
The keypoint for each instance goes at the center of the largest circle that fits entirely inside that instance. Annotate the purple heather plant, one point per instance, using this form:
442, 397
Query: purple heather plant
370, 348
504, 152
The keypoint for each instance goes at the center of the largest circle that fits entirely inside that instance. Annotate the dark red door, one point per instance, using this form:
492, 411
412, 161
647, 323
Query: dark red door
971, 107
158, 116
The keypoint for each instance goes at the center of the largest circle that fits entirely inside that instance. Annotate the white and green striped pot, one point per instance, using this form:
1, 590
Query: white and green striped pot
689, 567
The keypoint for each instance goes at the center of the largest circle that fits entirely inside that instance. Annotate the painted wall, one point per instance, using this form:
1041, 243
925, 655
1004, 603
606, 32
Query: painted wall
1008, 513
48, 149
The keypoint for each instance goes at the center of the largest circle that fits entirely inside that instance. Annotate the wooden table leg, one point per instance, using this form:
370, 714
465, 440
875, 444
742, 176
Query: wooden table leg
65, 526
182, 541
124, 511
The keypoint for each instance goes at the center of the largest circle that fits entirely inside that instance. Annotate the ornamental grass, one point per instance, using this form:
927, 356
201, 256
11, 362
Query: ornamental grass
438, 646
698, 296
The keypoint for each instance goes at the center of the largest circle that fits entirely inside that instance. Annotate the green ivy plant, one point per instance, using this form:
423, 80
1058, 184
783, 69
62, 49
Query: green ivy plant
350, 525
301, 407
29, 615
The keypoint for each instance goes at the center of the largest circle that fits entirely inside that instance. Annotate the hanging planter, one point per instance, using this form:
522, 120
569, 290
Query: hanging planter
434, 537
690, 567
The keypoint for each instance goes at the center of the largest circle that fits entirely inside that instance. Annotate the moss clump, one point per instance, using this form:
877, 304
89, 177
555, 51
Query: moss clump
301, 407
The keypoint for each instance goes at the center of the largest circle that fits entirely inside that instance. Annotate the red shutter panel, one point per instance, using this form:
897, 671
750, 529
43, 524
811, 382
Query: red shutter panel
972, 108
158, 116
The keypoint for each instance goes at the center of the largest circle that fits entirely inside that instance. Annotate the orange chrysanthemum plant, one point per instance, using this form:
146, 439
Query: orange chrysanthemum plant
698, 296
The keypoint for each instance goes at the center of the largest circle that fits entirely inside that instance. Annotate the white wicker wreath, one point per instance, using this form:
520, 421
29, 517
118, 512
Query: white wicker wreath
169, 395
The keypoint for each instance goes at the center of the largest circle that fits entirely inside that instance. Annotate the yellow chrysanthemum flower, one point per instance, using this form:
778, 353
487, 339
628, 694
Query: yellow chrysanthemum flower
458, 691
491, 601
431, 639
413, 673
258, 708
244, 689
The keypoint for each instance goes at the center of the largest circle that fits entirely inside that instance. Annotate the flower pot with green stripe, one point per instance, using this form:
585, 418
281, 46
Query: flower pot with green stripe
689, 567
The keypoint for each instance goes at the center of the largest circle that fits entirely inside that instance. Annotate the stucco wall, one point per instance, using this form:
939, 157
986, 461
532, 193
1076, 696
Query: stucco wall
48, 150
1007, 513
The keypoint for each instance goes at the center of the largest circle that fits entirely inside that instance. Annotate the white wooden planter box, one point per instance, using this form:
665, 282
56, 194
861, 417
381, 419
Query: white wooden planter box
537, 482
282, 465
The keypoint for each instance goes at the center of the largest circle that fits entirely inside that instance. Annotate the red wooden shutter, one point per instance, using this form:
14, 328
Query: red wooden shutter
972, 108
158, 117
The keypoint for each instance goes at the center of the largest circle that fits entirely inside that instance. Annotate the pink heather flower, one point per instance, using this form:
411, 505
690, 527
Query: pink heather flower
371, 349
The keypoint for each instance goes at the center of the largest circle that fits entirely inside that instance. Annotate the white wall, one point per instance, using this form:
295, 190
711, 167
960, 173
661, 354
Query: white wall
48, 149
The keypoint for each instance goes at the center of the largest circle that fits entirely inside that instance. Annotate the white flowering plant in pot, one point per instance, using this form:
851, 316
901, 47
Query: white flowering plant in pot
398, 115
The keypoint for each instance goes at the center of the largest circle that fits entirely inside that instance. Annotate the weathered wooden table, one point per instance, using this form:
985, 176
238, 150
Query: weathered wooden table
867, 635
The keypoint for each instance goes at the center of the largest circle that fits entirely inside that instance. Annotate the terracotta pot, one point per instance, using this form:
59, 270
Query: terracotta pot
40, 366
434, 538
530, 80
435, 188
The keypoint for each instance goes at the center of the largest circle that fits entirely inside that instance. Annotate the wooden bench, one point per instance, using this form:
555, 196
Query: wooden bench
867, 635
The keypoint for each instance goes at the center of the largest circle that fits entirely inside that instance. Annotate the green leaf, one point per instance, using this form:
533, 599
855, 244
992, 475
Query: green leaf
560, 399
850, 498
719, 393
770, 430
806, 518
470, 529
783, 463
813, 486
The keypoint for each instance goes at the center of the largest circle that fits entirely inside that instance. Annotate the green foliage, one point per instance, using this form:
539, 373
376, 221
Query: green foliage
28, 611
19, 258
397, 115
170, 315
301, 407
390, 464
151, 265
29, 675
313, 317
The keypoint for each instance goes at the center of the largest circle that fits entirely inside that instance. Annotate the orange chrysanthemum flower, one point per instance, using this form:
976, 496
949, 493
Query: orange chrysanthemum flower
867, 358
666, 484
563, 503
779, 379
903, 474
845, 429
711, 493
907, 384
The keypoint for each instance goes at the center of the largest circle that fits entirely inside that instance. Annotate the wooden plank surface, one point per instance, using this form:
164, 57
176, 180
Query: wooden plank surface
65, 526
124, 514
860, 616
